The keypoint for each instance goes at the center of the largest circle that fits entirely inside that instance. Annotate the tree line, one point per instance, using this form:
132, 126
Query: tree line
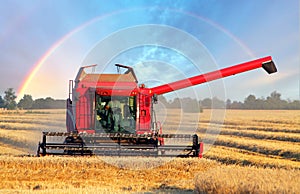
27, 102
272, 102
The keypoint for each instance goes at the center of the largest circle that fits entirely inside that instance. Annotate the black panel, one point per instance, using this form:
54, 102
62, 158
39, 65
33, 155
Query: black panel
269, 67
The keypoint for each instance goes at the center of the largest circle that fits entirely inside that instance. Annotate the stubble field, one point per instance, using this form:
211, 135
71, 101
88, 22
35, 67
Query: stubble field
254, 151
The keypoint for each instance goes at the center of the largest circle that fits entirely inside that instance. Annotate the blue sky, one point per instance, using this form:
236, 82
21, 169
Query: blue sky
227, 32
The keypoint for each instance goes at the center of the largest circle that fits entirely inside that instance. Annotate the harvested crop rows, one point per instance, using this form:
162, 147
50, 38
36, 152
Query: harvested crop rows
272, 136
267, 134
21, 130
257, 143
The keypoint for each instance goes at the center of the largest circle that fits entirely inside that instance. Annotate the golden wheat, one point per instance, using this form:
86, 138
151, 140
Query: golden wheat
256, 140
268, 147
122, 174
282, 136
228, 155
236, 179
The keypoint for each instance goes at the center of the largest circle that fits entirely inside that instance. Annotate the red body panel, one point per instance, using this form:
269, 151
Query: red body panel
84, 119
145, 108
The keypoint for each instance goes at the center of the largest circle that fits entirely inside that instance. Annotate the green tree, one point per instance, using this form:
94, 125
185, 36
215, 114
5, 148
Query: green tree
48, 103
274, 101
10, 99
163, 100
206, 103
39, 103
236, 105
26, 102
250, 102
275, 96
294, 105
217, 103
2, 104
176, 103
228, 103
190, 105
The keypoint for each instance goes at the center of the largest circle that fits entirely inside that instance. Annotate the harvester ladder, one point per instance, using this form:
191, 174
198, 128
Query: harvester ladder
71, 83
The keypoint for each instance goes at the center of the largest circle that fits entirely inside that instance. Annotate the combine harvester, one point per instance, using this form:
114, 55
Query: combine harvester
111, 114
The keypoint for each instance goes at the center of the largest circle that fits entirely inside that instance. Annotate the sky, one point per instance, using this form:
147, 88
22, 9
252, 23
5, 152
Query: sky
44, 43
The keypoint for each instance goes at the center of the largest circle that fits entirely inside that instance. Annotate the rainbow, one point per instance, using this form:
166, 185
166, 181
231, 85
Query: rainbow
229, 34
25, 83
38, 65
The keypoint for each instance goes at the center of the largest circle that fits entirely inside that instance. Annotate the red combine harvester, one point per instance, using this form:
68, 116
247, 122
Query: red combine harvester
111, 114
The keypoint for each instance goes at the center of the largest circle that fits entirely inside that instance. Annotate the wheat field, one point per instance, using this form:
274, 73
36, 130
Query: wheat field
254, 151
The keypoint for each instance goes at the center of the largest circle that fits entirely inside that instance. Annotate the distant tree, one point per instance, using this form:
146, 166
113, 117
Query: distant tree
26, 102
250, 102
10, 99
206, 103
190, 105
274, 101
260, 103
60, 104
217, 103
2, 103
176, 103
275, 95
212, 103
163, 100
38, 103
228, 103
236, 105
48, 103
294, 105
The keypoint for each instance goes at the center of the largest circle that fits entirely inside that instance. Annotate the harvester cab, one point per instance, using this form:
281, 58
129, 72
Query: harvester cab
112, 114
110, 103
